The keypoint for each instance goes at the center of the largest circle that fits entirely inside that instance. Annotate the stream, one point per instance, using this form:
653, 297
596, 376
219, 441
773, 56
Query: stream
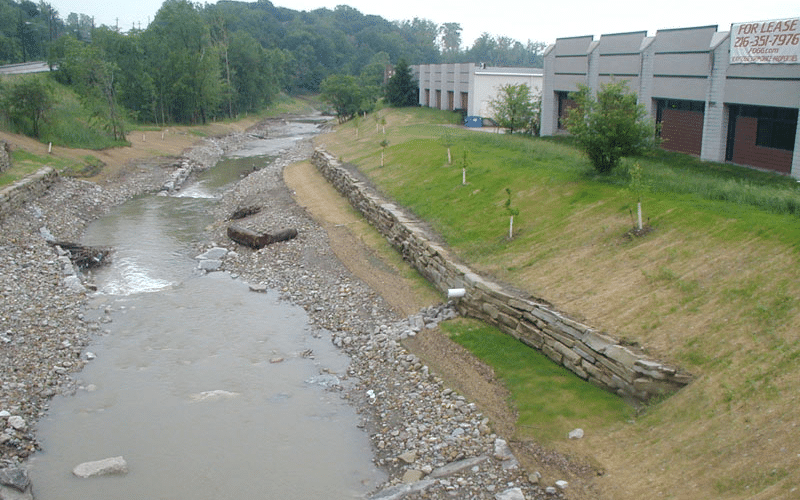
207, 389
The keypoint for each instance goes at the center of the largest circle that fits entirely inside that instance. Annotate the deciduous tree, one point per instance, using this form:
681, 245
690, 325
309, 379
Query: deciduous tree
345, 95
516, 108
26, 103
611, 126
450, 35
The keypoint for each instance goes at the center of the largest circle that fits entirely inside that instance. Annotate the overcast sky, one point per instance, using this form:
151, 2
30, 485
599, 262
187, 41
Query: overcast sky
521, 20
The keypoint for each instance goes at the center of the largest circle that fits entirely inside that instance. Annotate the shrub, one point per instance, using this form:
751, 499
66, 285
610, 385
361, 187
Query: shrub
610, 126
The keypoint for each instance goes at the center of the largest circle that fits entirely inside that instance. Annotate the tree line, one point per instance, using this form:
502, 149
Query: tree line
196, 62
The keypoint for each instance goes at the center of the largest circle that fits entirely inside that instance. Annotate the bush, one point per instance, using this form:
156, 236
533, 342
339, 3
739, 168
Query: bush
610, 126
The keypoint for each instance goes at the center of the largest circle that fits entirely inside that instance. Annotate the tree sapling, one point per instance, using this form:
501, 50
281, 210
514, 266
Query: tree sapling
511, 213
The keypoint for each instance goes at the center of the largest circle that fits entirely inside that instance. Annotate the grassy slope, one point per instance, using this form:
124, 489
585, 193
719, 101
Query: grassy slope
713, 287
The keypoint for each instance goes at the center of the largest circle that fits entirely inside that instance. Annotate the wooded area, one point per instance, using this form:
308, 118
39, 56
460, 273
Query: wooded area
195, 62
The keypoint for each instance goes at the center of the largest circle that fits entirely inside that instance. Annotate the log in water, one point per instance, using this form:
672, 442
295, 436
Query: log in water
256, 240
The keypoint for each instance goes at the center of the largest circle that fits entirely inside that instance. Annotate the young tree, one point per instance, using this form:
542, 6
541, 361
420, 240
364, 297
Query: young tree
464, 165
638, 186
517, 108
343, 93
610, 126
447, 141
511, 211
384, 145
402, 90
27, 101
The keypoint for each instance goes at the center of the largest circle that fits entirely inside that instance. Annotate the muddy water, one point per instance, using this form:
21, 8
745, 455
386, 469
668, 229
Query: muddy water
208, 390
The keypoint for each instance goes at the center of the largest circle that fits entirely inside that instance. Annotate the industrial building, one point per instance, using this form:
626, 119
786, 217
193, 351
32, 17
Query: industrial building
725, 96
730, 96
469, 88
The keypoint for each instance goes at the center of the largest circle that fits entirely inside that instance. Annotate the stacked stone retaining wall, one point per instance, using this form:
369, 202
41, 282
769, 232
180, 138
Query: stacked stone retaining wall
17, 194
5, 156
592, 355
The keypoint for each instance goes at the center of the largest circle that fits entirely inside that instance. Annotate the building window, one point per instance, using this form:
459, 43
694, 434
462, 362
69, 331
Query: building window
677, 105
776, 127
564, 105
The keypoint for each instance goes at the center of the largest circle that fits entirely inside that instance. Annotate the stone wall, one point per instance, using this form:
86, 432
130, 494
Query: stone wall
17, 194
592, 355
5, 156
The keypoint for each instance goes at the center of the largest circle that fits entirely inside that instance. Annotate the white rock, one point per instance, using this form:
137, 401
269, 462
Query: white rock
576, 434
4, 414
501, 450
511, 494
409, 457
74, 283
16, 422
215, 253
114, 465
213, 395
562, 485
209, 265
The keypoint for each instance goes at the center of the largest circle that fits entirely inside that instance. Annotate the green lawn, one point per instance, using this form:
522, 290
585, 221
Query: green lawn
550, 399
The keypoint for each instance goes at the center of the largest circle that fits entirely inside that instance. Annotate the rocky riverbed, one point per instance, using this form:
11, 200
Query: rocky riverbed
431, 441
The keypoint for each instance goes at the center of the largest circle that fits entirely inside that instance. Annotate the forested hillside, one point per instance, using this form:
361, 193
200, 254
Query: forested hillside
198, 62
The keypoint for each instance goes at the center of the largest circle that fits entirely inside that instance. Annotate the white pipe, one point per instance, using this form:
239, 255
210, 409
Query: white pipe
454, 293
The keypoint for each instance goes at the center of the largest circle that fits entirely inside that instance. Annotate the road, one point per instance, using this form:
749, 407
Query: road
22, 68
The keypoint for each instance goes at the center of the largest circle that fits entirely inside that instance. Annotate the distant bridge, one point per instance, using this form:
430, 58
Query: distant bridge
22, 68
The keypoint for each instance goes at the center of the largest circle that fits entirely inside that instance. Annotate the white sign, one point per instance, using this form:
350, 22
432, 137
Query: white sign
766, 42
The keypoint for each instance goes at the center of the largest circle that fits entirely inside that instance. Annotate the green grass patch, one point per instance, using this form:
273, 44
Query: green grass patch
67, 123
90, 167
552, 181
550, 399
70, 125
24, 163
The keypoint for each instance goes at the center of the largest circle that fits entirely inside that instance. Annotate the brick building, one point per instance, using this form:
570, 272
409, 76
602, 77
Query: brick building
723, 96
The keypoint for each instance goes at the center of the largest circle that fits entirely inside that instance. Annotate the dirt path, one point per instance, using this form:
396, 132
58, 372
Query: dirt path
358, 246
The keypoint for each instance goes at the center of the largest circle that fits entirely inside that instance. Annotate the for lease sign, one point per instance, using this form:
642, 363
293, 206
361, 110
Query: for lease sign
766, 42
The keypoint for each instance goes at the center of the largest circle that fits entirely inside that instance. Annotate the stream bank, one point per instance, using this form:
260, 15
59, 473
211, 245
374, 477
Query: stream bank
432, 441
